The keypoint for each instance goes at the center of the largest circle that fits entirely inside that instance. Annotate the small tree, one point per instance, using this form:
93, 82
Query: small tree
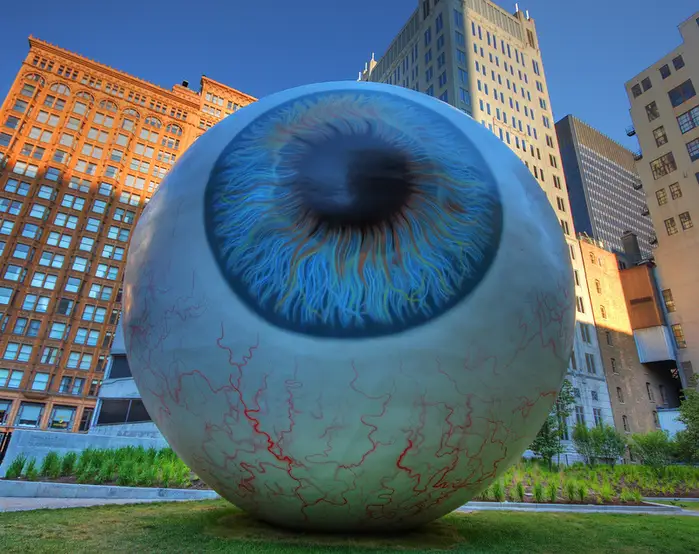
565, 404
687, 441
548, 440
654, 449
607, 443
547, 443
584, 444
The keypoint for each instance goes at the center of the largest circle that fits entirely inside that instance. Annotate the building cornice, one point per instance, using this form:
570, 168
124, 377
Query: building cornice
38, 44
210, 81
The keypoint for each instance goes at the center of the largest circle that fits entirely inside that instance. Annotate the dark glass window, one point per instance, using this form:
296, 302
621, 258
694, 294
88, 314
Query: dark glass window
120, 367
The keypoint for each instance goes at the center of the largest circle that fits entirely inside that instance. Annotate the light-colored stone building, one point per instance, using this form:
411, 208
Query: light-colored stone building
486, 62
665, 114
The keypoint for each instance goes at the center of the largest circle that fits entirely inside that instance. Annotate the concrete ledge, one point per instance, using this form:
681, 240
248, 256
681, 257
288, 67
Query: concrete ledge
587, 508
38, 489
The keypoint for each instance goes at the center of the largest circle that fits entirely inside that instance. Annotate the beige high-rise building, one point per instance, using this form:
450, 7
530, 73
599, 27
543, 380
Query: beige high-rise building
486, 62
665, 113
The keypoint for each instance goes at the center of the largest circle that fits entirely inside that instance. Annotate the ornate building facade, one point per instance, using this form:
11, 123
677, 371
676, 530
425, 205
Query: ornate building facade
83, 147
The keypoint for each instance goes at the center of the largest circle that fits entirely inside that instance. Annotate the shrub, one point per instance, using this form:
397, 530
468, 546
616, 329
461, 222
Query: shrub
552, 492
538, 492
654, 449
51, 466
607, 443
498, 491
14, 471
606, 492
519, 491
626, 495
582, 491
571, 487
31, 472
68, 463
582, 439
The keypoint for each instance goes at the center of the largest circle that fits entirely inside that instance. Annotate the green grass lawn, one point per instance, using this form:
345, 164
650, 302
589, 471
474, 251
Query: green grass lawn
215, 526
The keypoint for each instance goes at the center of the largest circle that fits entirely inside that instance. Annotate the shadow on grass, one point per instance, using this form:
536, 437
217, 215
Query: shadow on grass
235, 525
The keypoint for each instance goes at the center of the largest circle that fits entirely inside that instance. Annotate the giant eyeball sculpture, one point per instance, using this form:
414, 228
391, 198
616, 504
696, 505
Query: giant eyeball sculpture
348, 307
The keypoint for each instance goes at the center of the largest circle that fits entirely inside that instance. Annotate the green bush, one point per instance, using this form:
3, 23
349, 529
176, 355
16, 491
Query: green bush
14, 471
607, 443
498, 490
552, 492
654, 449
30, 471
583, 441
51, 466
68, 463
538, 492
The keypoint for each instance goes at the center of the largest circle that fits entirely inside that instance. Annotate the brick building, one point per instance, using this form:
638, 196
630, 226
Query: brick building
638, 355
83, 147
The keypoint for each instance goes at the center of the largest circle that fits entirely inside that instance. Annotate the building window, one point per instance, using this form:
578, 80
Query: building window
603, 311
598, 286
29, 415
679, 336
636, 90
681, 93
625, 422
122, 411
609, 338
678, 62
85, 419
688, 120
594, 395
590, 363
652, 111
620, 395
660, 136
62, 418
686, 221
573, 362
585, 333
597, 413
669, 300
671, 226
693, 149
580, 304
5, 406
665, 71
663, 165
675, 191
656, 419
10, 379
579, 415
646, 84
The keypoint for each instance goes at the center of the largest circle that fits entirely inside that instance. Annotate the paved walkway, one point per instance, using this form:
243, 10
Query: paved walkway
24, 504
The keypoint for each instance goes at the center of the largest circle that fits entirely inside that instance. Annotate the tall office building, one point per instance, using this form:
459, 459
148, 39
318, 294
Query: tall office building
665, 113
604, 189
83, 147
487, 63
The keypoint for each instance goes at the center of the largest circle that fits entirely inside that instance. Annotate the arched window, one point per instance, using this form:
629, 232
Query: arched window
598, 286
86, 96
625, 421
34, 77
108, 105
131, 113
153, 122
174, 129
603, 311
60, 88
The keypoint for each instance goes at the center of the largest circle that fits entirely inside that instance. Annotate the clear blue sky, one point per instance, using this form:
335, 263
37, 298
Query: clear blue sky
590, 48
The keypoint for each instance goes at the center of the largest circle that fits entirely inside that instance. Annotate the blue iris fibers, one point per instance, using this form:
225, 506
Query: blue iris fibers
361, 249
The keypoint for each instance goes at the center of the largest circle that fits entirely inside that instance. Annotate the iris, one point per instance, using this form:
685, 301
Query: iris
352, 213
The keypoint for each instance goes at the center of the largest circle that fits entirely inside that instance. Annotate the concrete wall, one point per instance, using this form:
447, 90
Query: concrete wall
36, 444
669, 422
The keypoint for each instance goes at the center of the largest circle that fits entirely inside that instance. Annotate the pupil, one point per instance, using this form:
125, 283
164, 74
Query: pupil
353, 181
